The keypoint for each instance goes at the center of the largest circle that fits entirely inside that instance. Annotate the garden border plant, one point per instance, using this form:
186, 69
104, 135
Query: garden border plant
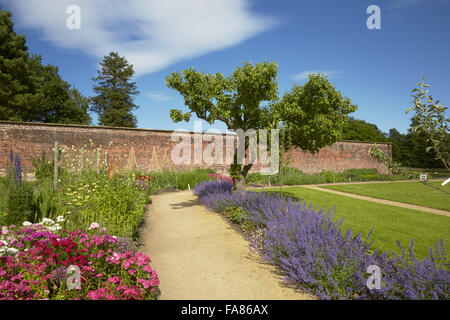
315, 254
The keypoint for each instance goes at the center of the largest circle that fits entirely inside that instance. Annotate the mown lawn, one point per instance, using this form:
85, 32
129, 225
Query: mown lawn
407, 192
389, 223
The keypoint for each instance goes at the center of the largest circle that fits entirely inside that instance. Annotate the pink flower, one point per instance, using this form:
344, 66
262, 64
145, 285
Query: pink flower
147, 268
114, 279
149, 283
100, 254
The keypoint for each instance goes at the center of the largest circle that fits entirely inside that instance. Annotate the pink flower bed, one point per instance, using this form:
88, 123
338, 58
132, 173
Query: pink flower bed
34, 263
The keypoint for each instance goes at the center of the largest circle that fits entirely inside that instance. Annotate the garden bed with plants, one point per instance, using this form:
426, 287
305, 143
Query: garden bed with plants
313, 251
293, 176
89, 222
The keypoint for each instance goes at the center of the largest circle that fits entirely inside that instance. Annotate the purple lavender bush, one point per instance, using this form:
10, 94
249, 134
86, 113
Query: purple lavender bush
212, 187
314, 252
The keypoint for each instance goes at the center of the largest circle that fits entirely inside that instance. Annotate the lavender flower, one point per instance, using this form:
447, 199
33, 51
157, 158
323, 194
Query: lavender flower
314, 252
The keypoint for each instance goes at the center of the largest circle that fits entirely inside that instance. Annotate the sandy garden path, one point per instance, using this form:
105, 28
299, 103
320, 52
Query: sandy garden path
198, 255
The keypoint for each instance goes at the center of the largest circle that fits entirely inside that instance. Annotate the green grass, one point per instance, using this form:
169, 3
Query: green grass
389, 223
407, 192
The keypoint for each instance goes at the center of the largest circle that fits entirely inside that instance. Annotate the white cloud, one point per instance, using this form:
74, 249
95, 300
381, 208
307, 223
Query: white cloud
332, 74
151, 34
158, 96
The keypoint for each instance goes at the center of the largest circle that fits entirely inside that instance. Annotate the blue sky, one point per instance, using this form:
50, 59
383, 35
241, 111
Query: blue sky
376, 69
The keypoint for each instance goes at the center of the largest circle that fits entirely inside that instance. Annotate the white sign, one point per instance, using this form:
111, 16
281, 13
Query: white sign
423, 177
374, 281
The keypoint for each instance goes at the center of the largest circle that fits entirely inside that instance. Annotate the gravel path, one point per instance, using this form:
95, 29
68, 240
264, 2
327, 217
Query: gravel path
198, 255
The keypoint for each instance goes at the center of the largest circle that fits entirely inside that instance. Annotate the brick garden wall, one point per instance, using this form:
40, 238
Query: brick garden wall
150, 149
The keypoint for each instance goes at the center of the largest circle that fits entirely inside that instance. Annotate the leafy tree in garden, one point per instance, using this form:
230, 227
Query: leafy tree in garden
310, 116
360, 130
114, 101
430, 120
30, 91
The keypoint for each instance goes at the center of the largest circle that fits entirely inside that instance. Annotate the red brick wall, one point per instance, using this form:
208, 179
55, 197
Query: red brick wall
152, 148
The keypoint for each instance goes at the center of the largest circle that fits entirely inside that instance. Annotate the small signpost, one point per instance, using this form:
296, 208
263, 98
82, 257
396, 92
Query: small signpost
446, 181
423, 177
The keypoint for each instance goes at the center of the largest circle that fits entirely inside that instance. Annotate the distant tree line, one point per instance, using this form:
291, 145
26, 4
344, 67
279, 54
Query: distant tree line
407, 149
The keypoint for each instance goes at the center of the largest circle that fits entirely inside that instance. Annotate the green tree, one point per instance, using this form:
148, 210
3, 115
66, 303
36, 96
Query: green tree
31, 91
400, 149
310, 116
15, 77
114, 101
313, 115
430, 120
360, 130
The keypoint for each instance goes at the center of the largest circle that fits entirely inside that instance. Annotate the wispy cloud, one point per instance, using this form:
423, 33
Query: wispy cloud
332, 74
151, 34
398, 4
157, 96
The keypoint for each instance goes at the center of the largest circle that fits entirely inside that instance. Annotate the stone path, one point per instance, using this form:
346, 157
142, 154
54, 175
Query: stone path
198, 255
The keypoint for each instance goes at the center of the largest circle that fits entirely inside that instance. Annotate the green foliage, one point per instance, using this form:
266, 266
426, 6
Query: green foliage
172, 179
235, 100
116, 204
31, 91
293, 176
314, 115
114, 101
43, 169
360, 130
430, 119
44, 201
235, 214
17, 200
311, 116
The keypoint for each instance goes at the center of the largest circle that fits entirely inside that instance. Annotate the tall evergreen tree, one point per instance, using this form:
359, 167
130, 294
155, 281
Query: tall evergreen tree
15, 81
114, 101
31, 91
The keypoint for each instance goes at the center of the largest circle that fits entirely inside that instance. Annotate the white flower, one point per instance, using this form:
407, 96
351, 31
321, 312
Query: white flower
12, 251
60, 219
47, 221
26, 224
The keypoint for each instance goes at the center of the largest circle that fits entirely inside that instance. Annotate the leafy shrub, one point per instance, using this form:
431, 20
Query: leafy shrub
315, 253
116, 203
